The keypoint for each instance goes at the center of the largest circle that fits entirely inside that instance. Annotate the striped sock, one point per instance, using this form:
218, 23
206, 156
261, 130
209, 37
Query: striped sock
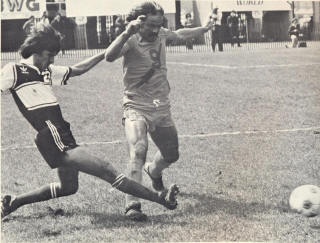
53, 189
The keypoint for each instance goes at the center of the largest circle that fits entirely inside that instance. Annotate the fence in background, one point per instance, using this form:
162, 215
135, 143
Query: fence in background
178, 48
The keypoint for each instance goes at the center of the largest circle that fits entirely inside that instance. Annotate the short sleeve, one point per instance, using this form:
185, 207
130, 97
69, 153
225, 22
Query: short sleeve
7, 76
59, 74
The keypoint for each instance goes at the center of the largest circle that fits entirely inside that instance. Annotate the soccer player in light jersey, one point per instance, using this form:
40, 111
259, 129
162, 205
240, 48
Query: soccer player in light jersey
30, 83
146, 89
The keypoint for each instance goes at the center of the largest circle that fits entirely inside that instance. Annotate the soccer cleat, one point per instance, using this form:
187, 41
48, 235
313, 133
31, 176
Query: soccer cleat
169, 197
133, 212
157, 183
6, 205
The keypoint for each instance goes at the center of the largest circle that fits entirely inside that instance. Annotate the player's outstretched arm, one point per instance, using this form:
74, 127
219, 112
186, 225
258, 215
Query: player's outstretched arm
190, 32
86, 65
114, 50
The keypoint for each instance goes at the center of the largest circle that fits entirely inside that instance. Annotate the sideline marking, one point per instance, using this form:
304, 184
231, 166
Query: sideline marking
206, 135
242, 67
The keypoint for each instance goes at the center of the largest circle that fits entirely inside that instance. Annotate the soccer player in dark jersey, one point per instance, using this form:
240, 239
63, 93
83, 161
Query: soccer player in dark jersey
146, 94
30, 83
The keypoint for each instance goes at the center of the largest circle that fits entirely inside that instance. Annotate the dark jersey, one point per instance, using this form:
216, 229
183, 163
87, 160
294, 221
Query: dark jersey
32, 91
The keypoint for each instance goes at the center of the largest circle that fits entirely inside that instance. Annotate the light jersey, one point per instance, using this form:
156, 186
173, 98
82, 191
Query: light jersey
145, 73
32, 91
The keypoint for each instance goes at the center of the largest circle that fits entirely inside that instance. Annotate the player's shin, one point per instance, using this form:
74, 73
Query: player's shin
44, 193
158, 165
126, 185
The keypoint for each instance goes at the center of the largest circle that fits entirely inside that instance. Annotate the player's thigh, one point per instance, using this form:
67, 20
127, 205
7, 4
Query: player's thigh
136, 134
166, 139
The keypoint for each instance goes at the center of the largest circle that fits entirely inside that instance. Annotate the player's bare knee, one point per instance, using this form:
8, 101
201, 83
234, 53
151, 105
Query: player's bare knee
138, 152
69, 188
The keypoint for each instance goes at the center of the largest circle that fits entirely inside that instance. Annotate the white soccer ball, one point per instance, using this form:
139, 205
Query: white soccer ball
305, 200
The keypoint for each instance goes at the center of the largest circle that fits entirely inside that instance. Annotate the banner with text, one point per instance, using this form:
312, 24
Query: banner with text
22, 9
252, 5
76, 8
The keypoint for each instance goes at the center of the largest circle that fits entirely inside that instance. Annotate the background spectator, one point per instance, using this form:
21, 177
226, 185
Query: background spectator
65, 26
119, 26
233, 25
28, 25
44, 18
189, 24
294, 31
216, 32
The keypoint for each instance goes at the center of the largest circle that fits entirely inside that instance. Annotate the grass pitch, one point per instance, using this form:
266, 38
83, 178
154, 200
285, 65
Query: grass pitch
249, 127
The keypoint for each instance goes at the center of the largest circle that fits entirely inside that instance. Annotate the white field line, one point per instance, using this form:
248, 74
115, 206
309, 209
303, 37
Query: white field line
191, 136
242, 67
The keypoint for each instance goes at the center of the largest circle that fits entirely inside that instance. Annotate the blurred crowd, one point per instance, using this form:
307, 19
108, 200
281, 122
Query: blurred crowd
231, 30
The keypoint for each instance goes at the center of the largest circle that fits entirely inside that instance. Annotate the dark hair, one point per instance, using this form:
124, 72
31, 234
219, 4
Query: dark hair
188, 15
42, 37
148, 7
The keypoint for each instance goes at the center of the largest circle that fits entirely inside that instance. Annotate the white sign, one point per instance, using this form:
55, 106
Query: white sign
252, 5
109, 7
22, 9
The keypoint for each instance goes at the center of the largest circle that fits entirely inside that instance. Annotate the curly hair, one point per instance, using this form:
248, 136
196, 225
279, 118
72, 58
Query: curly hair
148, 7
42, 37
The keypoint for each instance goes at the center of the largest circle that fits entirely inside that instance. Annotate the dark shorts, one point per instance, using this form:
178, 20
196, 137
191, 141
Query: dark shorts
53, 141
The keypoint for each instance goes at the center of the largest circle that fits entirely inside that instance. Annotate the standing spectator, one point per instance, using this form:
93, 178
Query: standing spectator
294, 31
65, 27
49, 15
216, 31
28, 25
310, 28
112, 33
59, 23
233, 25
189, 24
119, 26
44, 18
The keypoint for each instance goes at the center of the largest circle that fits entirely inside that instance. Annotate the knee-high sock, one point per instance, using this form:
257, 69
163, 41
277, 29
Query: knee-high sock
126, 185
43, 193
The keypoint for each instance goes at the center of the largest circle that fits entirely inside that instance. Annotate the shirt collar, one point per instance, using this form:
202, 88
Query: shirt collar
29, 62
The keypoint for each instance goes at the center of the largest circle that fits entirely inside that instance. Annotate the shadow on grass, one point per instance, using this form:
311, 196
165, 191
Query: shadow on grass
207, 204
194, 204
119, 221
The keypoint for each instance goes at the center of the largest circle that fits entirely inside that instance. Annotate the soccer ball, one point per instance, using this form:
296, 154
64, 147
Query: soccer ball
305, 200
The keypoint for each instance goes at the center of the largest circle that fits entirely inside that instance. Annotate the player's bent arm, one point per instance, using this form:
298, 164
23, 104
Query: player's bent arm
114, 50
87, 64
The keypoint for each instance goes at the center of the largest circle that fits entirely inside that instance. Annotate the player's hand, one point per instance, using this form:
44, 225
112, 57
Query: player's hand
134, 26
